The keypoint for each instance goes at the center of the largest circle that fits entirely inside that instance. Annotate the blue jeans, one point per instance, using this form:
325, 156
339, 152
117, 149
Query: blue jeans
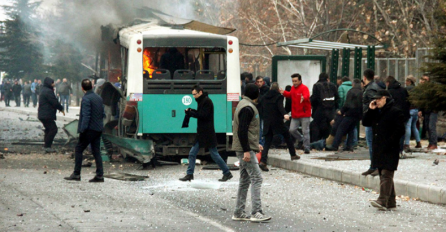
355, 139
369, 139
261, 138
214, 155
64, 100
411, 127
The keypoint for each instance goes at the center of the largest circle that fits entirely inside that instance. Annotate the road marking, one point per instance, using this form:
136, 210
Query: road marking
210, 221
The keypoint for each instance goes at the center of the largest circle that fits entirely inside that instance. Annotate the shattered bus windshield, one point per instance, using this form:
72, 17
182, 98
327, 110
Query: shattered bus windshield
184, 63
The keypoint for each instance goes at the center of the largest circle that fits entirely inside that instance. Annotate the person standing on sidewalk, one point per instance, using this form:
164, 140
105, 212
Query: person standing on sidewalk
65, 92
300, 111
91, 124
370, 89
272, 103
388, 125
411, 126
263, 89
206, 137
430, 120
46, 113
246, 128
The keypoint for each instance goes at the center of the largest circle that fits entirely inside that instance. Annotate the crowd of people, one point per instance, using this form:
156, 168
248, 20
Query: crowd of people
328, 118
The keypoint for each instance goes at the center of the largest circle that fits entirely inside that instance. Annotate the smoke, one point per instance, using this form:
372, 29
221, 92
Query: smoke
78, 22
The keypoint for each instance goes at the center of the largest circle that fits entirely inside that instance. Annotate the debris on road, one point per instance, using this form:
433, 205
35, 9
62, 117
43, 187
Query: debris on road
126, 176
436, 161
20, 215
87, 211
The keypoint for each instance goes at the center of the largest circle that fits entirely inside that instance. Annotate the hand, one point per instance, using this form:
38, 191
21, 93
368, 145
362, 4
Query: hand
260, 147
281, 91
58, 95
339, 112
287, 117
332, 122
372, 105
301, 98
246, 156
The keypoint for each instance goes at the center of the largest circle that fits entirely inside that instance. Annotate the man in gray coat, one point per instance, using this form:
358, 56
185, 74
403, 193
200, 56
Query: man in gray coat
246, 129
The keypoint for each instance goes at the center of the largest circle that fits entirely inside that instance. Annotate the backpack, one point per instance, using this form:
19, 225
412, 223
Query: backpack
327, 96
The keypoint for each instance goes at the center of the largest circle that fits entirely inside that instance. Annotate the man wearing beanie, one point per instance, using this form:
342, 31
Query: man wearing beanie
300, 111
246, 128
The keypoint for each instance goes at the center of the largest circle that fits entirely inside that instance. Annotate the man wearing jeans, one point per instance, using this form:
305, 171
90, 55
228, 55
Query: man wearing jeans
206, 137
370, 89
411, 126
430, 121
246, 128
300, 111
64, 91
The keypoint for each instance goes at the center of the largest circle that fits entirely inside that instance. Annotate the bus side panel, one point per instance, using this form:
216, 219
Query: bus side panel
229, 117
164, 113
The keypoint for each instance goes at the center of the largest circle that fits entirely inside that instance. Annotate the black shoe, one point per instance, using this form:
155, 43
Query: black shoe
330, 148
73, 177
97, 179
348, 149
307, 151
375, 173
295, 157
368, 172
187, 178
300, 146
225, 177
263, 167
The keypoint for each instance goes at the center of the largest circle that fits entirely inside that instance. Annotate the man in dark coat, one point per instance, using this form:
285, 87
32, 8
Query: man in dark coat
17, 90
351, 114
46, 113
90, 128
26, 93
272, 103
206, 137
263, 89
387, 122
324, 101
7, 87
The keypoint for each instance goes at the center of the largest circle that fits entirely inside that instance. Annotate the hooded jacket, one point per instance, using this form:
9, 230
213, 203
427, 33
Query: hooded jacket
48, 104
400, 96
298, 109
342, 91
388, 127
272, 103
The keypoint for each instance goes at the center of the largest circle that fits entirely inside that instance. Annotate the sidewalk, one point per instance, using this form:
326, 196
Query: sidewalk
31, 111
416, 177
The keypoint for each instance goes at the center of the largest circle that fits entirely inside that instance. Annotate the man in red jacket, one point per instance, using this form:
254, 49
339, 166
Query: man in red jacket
300, 111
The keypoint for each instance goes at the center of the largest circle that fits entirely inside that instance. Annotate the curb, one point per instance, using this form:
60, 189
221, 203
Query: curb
59, 118
432, 194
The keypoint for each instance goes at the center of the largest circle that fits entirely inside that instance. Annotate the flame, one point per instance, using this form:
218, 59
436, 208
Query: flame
148, 62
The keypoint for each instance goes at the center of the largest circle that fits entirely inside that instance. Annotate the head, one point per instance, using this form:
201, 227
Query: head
424, 79
410, 80
323, 77
64, 80
252, 91
345, 79
339, 80
197, 91
275, 86
58, 80
39, 82
246, 76
86, 85
357, 83
381, 98
390, 80
369, 75
16, 82
296, 79
35, 80
259, 81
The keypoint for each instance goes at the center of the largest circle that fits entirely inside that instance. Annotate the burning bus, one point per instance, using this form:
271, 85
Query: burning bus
158, 62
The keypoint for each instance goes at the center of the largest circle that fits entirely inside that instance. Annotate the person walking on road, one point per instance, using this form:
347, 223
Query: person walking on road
34, 92
272, 103
7, 87
246, 128
206, 137
46, 113
26, 93
17, 90
90, 130
300, 111
65, 91
370, 89
388, 125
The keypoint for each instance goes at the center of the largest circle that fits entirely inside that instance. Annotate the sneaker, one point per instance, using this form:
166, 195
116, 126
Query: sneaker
49, 150
263, 167
307, 151
97, 179
368, 172
187, 177
225, 177
432, 147
241, 217
330, 148
378, 205
73, 177
295, 157
418, 145
406, 148
259, 217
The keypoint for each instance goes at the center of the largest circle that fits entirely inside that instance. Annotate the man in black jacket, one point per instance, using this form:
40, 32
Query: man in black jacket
351, 114
8, 92
263, 89
370, 89
206, 137
387, 122
17, 90
272, 103
90, 128
46, 113
324, 101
